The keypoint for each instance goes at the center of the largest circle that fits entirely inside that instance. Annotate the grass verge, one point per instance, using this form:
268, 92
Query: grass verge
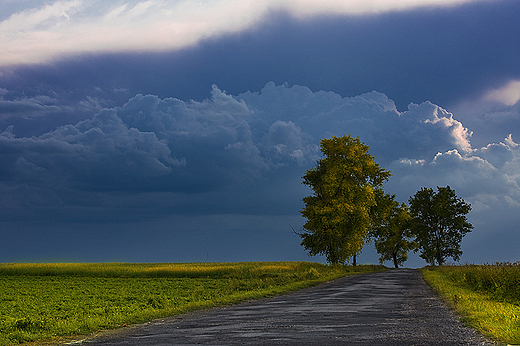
50, 301
491, 314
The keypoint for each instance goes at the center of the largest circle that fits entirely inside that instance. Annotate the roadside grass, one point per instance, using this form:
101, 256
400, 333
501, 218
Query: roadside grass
55, 300
486, 296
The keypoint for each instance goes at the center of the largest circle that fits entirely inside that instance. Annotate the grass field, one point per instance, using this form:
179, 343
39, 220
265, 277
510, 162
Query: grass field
46, 301
486, 296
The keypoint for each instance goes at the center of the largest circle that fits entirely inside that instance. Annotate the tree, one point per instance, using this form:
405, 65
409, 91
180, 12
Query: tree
439, 223
393, 236
344, 185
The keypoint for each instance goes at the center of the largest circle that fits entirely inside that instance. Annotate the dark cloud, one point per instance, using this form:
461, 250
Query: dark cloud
168, 164
28, 107
241, 154
440, 55
96, 143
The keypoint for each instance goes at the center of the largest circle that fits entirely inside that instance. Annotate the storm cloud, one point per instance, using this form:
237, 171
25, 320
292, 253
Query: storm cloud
440, 54
148, 144
242, 154
35, 32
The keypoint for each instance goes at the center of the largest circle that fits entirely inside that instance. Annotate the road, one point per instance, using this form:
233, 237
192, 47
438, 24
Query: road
391, 308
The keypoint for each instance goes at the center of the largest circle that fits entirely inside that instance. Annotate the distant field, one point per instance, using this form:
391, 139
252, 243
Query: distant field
486, 296
45, 301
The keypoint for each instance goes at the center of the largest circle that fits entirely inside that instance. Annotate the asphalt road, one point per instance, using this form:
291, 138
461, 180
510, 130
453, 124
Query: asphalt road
391, 308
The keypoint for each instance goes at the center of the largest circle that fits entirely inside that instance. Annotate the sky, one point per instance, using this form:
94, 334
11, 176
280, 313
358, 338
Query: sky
178, 131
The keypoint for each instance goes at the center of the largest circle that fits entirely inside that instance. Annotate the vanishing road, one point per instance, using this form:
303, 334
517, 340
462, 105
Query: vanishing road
391, 308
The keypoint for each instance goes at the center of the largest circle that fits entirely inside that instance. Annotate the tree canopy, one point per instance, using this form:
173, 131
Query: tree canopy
393, 236
345, 185
439, 223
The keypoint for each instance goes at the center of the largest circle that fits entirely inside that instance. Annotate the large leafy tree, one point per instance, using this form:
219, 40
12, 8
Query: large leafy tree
439, 223
345, 185
393, 236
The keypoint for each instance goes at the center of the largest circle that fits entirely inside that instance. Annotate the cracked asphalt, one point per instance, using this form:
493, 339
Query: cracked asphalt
391, 308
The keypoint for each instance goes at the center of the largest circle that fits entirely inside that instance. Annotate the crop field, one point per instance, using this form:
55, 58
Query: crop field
57, 301
486, 296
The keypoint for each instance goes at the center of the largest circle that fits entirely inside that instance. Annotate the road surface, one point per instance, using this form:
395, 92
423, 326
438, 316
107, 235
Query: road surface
391, 308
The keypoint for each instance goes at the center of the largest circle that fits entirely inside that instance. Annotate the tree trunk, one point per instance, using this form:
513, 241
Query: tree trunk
438, 255
396, 265
354, 261
440, 259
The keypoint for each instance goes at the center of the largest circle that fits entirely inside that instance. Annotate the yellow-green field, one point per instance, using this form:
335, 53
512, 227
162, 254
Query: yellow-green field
51, 301
486, 296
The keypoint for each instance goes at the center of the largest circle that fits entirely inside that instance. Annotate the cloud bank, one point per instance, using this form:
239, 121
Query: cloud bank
442, 54
40, 32
93, 143
154, 157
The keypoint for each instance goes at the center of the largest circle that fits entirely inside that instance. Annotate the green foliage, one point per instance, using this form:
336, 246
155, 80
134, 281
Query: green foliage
344, 184
44, 301
486, 296
393, 236
439, 223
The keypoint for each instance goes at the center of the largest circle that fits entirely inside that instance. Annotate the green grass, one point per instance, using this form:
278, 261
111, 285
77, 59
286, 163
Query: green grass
50, 301
486, 296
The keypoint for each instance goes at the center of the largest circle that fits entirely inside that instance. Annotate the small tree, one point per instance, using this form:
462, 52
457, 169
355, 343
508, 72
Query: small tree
439, 223
344, 185
393, 237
